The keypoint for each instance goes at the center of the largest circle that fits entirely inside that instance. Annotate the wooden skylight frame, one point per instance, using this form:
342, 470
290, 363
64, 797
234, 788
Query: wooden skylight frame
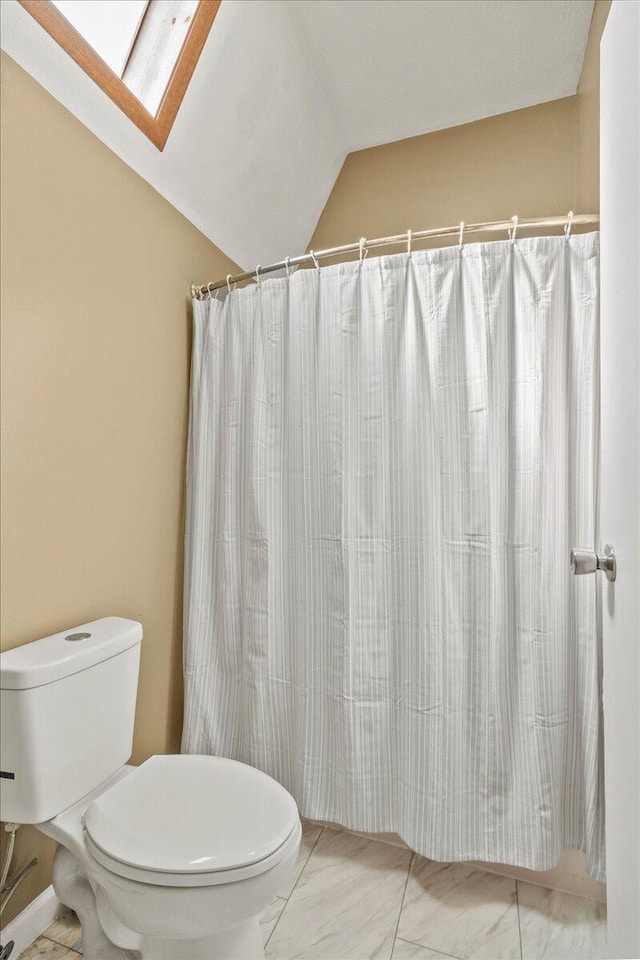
157, 128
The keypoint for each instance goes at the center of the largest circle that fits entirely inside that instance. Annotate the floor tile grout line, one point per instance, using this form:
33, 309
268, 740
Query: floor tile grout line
518, 915
404, 890
42, 936
414, 943
306, 863
442, 953
286, 899
58, 916
58, 943
278, 918
52, 939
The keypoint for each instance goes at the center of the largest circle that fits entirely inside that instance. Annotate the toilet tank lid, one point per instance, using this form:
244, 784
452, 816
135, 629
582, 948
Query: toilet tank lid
68, 652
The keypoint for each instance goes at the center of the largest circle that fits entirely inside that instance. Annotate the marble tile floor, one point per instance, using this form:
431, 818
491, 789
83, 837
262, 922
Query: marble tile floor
352, 897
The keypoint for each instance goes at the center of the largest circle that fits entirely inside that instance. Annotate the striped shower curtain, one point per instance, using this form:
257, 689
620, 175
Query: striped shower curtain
389, 461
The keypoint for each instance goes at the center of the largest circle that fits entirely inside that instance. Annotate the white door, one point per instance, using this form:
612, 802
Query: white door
620, 447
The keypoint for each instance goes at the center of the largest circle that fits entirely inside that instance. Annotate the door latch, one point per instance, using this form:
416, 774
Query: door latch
586, 561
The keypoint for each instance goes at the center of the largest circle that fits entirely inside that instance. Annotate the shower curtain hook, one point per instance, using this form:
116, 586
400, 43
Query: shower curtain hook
287, 265
409, 235
209, 288
363, 248
567, 229
461, 233
230, 280
514, 228
315, 259
258, 269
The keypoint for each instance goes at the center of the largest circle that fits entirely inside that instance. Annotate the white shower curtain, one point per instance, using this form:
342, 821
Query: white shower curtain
389, 461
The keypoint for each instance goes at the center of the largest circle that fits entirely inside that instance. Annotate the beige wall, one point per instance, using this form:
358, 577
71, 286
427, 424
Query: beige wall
588, 115
96, 268
521, 162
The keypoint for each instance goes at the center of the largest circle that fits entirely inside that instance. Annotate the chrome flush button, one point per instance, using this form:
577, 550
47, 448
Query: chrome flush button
78, 636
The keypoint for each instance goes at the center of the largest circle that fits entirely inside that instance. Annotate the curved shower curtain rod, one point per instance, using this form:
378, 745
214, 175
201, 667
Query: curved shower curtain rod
199, 291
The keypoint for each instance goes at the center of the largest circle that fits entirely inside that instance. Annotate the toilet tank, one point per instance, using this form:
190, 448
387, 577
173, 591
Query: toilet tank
67, 706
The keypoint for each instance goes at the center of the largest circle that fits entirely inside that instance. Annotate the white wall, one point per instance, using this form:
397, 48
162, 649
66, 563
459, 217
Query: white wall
620, 448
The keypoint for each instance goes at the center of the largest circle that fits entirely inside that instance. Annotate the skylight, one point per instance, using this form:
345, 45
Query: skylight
140, 52
109, 26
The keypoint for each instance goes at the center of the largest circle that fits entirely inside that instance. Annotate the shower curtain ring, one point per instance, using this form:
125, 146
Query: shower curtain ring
287, 265
210, 288
363, 248
514, 228
230, 281
315, 259
258, 269
409, 235
567, 229
461, 233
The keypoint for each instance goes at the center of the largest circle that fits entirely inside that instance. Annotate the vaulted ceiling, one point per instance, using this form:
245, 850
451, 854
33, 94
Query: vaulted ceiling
284, 89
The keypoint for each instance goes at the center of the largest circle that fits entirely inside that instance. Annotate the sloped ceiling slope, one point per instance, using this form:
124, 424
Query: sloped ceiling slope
254, 150
284, 89
397, 69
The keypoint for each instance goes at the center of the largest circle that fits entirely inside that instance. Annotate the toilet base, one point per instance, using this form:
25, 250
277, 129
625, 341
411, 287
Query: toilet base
105, 938
74, 890
240, 943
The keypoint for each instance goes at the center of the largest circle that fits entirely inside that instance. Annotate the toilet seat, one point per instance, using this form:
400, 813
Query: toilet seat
191, 821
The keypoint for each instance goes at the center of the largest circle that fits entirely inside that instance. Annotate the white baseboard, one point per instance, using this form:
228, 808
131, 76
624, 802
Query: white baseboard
29, 924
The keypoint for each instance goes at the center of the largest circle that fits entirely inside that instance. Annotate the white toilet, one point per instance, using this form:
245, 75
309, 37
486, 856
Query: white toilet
176, 858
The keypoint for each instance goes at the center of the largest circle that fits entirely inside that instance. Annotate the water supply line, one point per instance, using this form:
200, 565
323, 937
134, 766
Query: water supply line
15, 883
7, 889
11, 829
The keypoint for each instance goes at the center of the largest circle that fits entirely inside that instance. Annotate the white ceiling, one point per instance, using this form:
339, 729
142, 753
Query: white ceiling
284, 89
396, 68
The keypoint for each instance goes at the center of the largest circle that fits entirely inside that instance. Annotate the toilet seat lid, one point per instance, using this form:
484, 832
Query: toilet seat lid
191, 814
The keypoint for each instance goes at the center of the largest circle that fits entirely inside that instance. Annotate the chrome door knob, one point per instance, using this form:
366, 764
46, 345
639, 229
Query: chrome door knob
586, 561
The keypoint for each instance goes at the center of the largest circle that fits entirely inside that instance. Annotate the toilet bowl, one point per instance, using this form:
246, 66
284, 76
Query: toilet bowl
176, 858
